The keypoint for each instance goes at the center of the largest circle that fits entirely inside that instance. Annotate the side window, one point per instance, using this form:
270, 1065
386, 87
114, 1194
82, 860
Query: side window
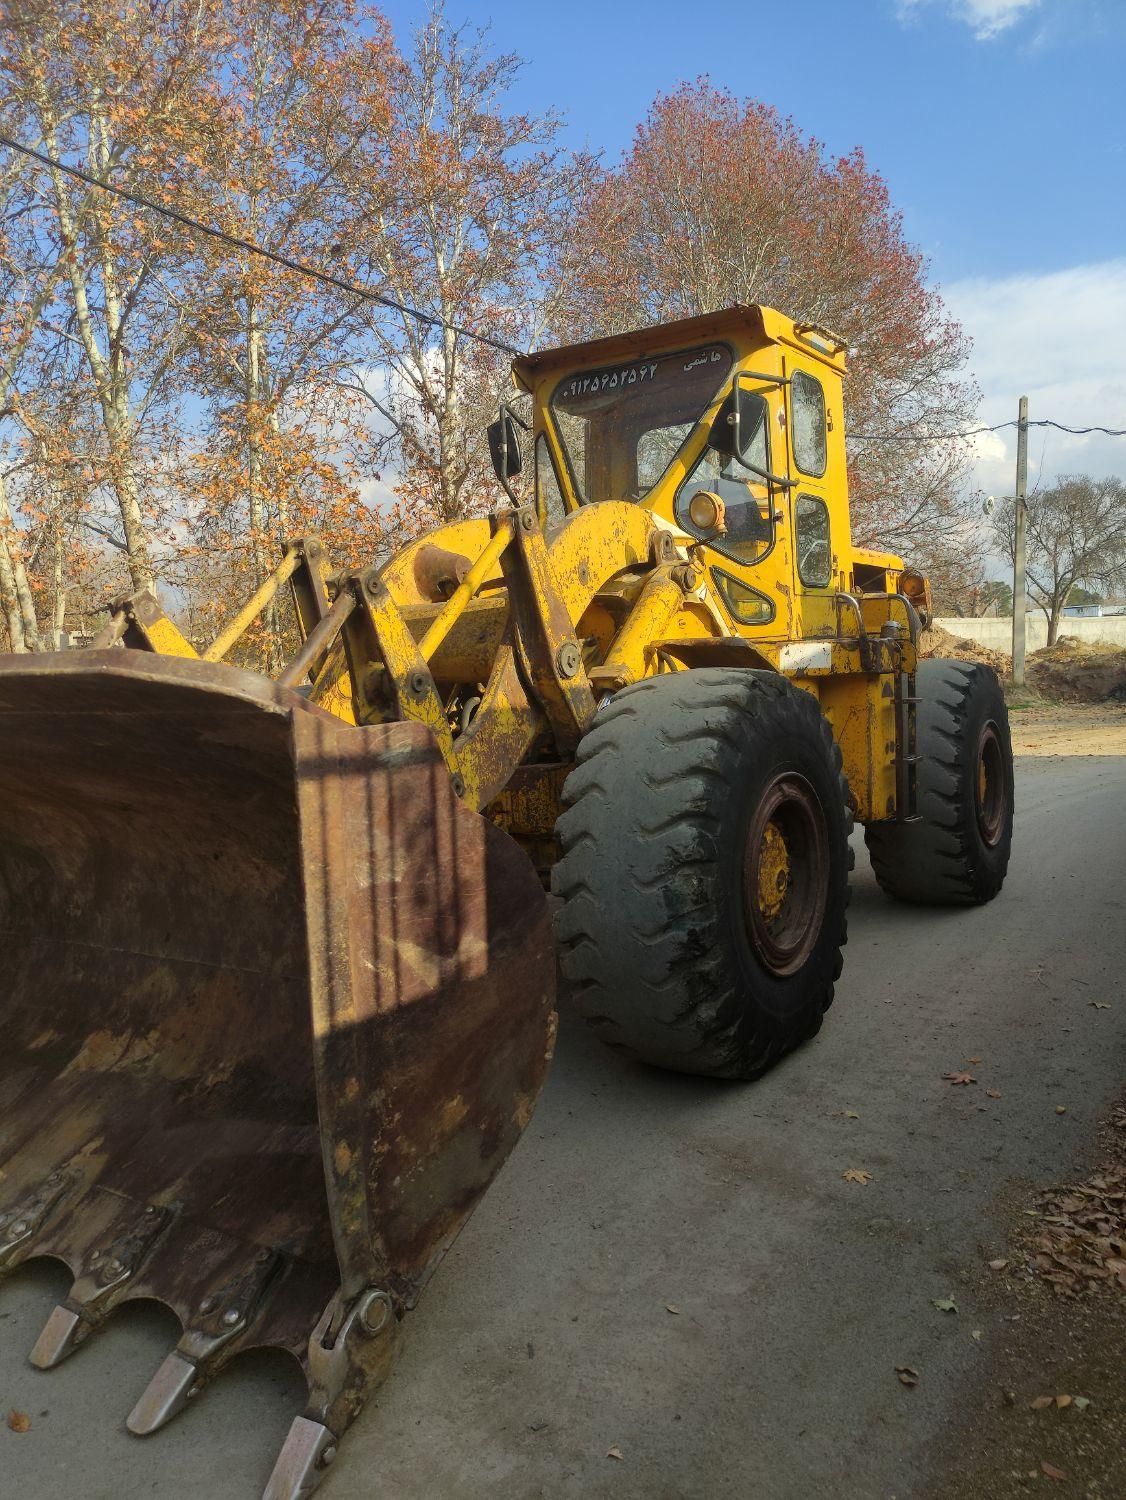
808, 406
815, 554
746, 604
549, 498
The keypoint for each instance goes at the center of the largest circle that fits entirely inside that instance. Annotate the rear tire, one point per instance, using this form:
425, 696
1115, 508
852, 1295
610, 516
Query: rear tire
704, 871
957, 852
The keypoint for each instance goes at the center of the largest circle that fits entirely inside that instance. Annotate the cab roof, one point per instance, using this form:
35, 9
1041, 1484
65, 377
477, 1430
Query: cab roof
762, 324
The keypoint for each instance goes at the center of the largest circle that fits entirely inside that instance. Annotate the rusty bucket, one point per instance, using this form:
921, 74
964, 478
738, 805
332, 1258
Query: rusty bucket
275, 1007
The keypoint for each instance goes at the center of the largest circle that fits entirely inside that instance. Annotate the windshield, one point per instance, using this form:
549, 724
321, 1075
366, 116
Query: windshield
622, 426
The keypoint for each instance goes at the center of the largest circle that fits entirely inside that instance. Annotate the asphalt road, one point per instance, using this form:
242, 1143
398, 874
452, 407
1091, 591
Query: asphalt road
547, 1339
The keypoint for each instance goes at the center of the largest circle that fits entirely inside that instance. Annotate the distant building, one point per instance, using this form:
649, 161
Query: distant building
1082, 611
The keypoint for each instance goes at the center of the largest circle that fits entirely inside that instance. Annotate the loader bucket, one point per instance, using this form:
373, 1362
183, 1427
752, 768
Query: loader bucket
274, 1008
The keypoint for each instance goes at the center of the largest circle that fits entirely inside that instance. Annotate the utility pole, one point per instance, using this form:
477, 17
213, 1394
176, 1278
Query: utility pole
1021, 517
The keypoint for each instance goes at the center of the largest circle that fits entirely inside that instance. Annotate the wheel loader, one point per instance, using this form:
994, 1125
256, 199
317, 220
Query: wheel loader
279, 967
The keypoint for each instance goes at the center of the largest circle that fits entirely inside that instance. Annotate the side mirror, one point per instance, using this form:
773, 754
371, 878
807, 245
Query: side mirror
738, 423
504, 447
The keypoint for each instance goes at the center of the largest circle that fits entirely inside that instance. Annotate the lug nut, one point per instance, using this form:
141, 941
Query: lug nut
20, 1226
232, 1316
207, 1305
328, 1455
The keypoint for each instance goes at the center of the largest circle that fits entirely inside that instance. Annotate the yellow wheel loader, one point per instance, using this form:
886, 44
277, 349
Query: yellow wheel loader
278, 967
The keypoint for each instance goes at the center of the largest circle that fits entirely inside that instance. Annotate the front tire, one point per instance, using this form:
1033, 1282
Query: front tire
704, 871
956, 852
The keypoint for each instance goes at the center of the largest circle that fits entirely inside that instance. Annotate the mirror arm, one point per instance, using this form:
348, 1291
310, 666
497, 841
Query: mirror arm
765, 474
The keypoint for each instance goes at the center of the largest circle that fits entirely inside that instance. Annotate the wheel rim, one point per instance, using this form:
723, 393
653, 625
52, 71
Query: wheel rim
989, 786
786, 874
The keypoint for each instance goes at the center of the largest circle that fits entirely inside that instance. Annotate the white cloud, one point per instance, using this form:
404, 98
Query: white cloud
1057, 339
986, 18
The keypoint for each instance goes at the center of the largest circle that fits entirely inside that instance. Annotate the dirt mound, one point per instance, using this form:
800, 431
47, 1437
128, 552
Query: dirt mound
938, 642
1076, 671
1071, 671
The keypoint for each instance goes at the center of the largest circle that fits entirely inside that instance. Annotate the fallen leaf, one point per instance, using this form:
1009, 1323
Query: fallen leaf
672, 1307
1063, 1402
854, 1174
850, 1114
614, 1452
976, 1335
1099, 1004
945, 1304
973, 1061
955, 1078
1041, 1403
907, 1376
993, 1093
19, 1421
998, 1265
1081, 1403
1061, 1109
1051, 1470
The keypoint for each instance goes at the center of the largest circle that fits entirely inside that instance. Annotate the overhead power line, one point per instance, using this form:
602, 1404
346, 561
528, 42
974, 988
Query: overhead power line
238, 243
943, 437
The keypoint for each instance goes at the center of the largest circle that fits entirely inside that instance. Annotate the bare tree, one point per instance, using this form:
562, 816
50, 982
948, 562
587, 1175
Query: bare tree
1076, 533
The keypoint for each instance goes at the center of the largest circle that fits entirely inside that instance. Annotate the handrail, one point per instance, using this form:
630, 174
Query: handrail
456, 603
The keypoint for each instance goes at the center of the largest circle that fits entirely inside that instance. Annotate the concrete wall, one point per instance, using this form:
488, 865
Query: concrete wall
997, 631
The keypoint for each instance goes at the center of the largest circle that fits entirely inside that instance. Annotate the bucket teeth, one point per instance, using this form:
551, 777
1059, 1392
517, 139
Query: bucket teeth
222, 1323
308, 1450
62, 1333
165, 1396
104, 1280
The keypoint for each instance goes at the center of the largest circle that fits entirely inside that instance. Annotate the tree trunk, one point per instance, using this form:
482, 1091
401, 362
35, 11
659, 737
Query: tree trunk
256, 468
109, 370
124, 479
448, 428
9, 602
1053, 624
15, 586
59, 592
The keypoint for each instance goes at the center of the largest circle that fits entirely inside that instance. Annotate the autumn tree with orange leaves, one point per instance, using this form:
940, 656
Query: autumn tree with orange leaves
720, 201
174, 406
300, 102
478, 216
120, 91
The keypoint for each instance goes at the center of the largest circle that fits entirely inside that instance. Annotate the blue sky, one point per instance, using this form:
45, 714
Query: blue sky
999, 125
